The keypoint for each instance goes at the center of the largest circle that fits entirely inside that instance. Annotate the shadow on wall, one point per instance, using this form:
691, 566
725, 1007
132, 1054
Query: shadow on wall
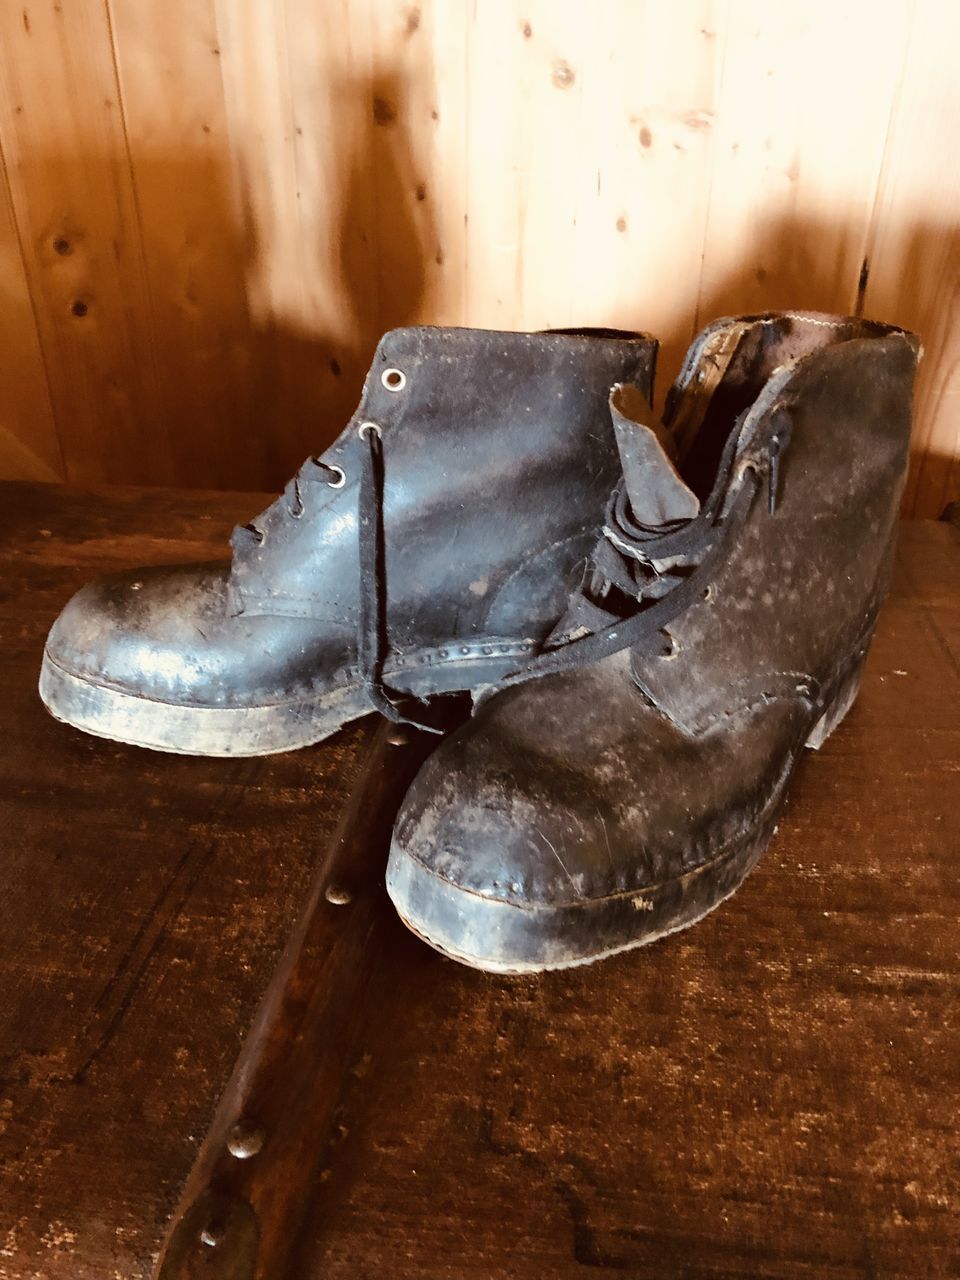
801, 262
184, 369
165, 368
308, 384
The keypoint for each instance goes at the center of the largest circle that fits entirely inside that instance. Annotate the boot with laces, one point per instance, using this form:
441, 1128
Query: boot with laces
430, 550
627, 780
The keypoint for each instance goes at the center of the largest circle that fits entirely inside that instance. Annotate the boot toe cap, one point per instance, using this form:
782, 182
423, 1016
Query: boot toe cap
157, 633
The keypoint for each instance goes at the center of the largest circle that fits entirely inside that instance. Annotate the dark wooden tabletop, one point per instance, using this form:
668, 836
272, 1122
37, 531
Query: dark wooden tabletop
772, 1093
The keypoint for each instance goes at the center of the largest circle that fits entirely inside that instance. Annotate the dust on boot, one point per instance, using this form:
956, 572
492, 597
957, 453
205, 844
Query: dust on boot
429, 550
632, 775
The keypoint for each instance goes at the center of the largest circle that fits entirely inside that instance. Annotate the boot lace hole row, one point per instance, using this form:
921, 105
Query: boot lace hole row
369, 428
393, 379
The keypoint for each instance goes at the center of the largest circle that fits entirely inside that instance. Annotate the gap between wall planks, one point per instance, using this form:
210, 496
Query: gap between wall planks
212, 208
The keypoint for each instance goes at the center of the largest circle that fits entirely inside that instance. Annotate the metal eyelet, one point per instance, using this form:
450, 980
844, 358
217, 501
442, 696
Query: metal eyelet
341, 479
668, 655
364, 427
709, 593
393, 379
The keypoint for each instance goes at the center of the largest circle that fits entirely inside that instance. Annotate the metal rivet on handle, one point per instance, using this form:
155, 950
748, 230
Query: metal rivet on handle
339, 895
243, 1142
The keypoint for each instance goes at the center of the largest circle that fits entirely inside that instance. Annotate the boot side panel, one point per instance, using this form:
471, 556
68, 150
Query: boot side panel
801, 587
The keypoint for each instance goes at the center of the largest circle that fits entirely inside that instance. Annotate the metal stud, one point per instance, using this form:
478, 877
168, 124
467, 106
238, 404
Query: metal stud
338, 895
243, 1142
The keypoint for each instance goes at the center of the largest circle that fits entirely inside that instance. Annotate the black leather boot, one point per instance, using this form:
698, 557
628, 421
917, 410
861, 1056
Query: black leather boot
634, 774
429, 550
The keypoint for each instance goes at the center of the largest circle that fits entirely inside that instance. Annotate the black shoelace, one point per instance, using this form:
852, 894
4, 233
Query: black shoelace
372, 641
623, 567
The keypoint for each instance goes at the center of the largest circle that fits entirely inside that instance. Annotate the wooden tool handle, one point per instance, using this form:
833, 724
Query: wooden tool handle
242, 1204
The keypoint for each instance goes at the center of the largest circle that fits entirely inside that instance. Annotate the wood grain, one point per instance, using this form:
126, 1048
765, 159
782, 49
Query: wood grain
248, 192
146, 900
68, 171
915, 250
772, 1093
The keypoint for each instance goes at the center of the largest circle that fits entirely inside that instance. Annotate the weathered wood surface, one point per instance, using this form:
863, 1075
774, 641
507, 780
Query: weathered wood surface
773, 1093
145, 901
246, 1197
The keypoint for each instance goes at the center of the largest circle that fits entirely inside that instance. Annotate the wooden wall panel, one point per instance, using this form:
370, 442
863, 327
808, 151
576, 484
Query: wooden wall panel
169, 65
29, 444
67, 166
915, 248
799, 146
241, 195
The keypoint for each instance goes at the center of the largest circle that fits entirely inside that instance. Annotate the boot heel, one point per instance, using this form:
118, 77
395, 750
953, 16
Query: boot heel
838, 704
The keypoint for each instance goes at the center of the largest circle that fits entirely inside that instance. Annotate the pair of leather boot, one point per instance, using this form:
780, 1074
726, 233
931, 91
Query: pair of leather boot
654, 619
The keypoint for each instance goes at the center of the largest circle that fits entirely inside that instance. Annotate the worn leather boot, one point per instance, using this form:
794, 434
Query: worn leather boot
429, 550
630, 779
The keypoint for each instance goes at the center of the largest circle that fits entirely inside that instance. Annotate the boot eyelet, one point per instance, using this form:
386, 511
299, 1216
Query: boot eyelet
365, 427
709, 594
393, 379
341, 476
673, 649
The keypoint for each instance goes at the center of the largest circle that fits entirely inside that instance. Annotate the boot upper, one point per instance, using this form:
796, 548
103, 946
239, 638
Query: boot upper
589, 779
497, 451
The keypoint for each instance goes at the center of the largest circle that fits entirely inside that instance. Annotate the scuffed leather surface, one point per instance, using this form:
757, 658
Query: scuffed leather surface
499, 453
498, 448
574, 787
171, 633
634, 771
800, 586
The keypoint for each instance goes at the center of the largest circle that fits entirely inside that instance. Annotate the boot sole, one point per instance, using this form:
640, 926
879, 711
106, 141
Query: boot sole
504, 937
238, 731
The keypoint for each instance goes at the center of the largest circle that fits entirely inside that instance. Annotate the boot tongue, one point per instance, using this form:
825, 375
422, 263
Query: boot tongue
658, 495
658, 501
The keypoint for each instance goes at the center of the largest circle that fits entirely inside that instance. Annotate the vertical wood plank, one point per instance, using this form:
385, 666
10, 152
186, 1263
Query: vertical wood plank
296, 129
207, 354
418, 159
800, 136
650, 101
589, 175
70, 183
524, 98
29, 445
216, 207
915, 248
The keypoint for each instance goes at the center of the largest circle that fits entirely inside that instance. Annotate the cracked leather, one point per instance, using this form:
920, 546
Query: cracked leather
631, 773
498, 454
